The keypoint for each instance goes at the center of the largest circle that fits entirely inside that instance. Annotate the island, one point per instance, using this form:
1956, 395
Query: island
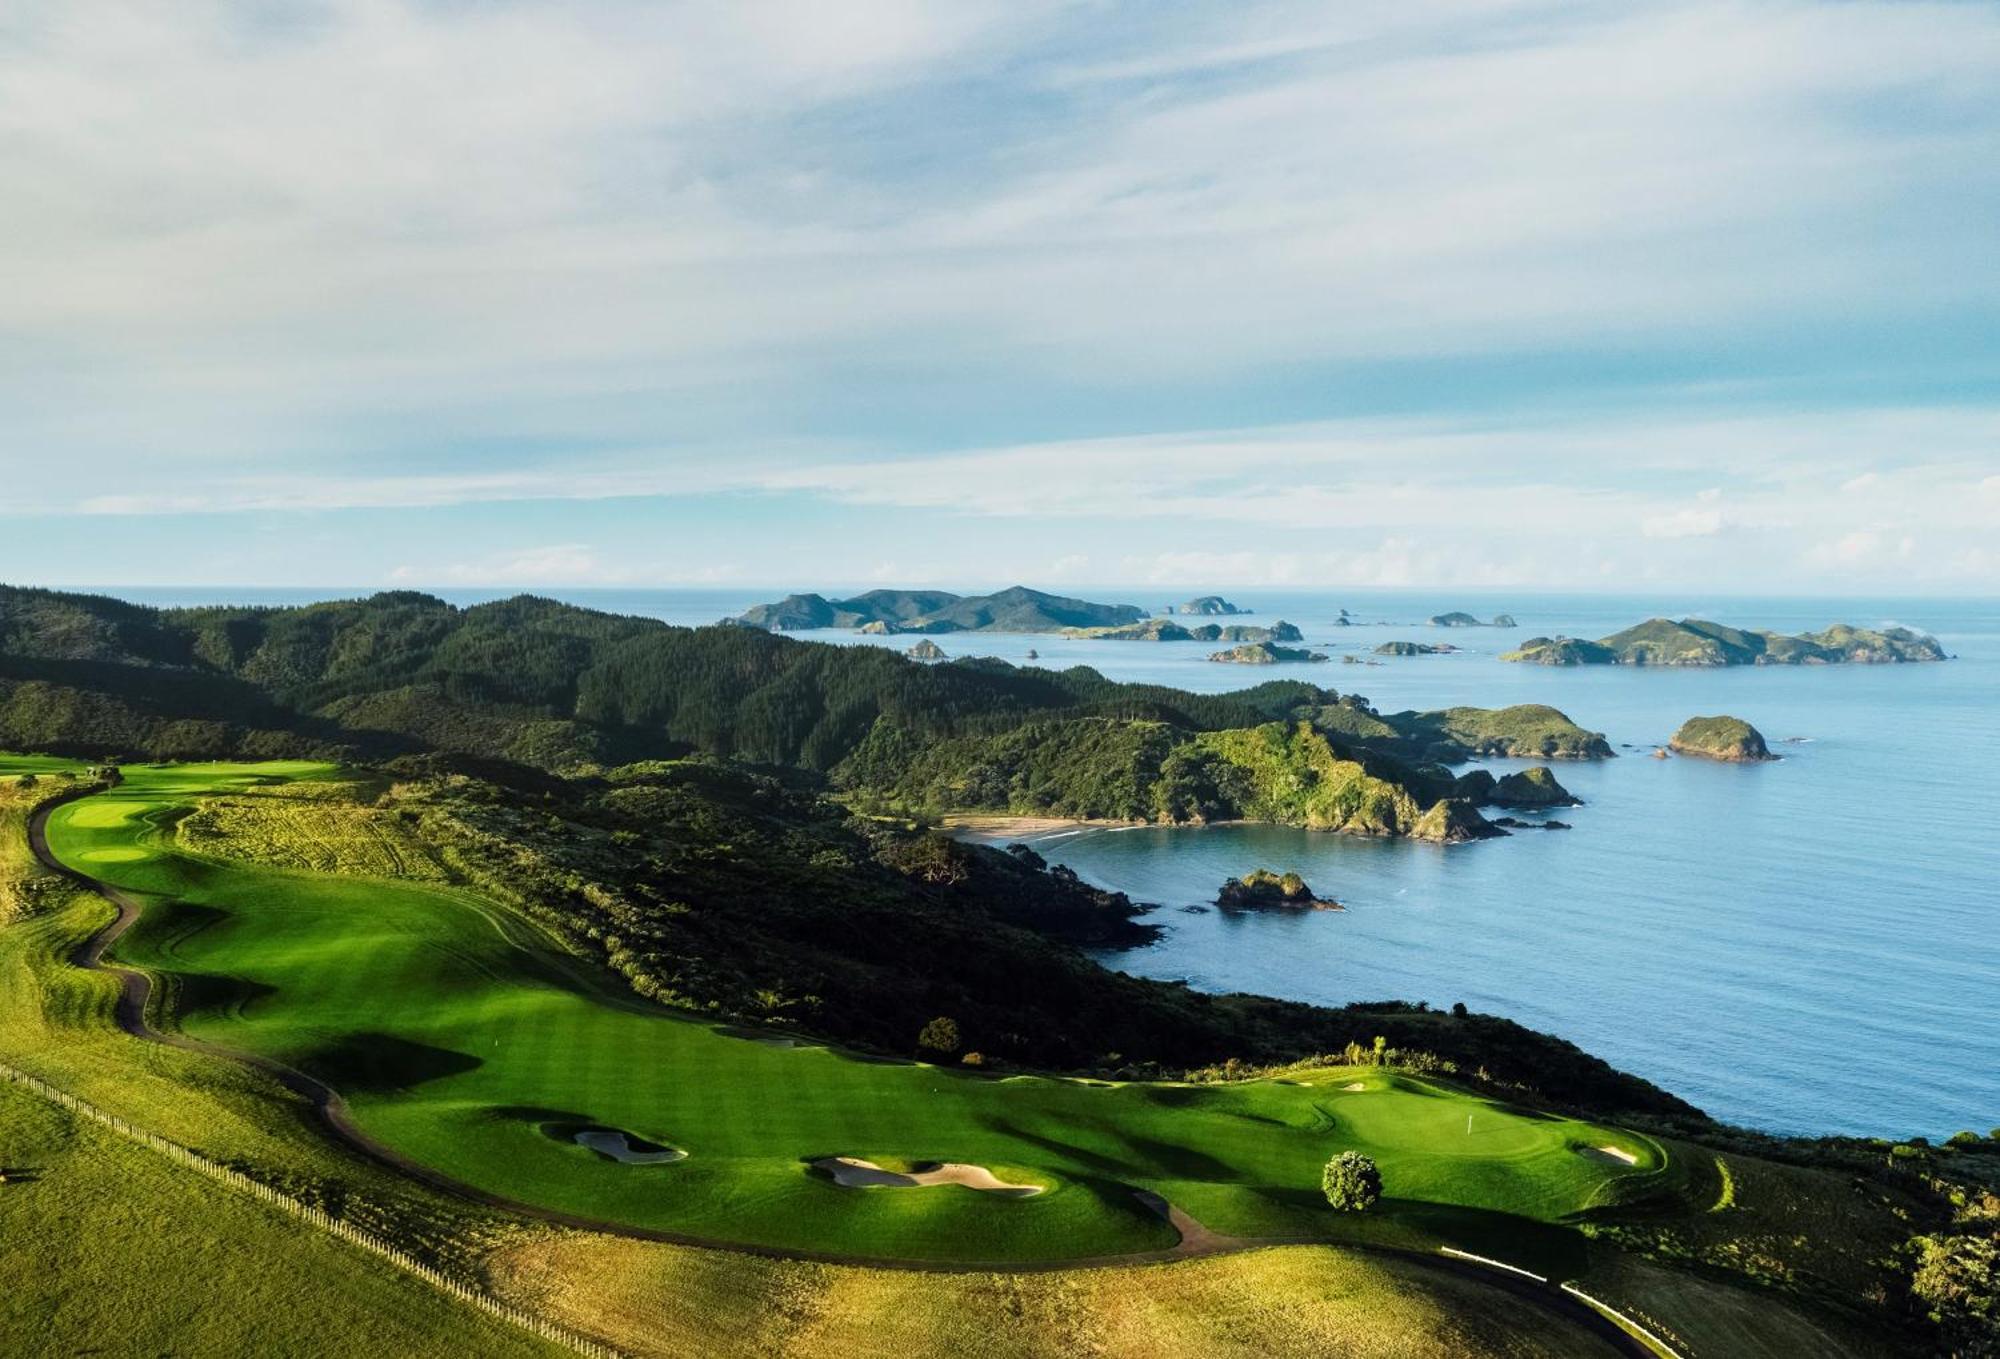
1697, 643
931, 611
1207, 606
1729, 739
1265, 653
1459, 619
1167, 630
926, 650
1415, 649
1261, 888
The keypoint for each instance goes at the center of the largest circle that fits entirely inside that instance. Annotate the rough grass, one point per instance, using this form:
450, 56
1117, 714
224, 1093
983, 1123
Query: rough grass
112, 1249
18, 868
1295, 1301
1793, 1229
321, 826
461, 1040
1704, 1316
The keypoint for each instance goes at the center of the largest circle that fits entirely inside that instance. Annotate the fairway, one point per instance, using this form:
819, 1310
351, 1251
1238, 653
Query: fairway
464, 1041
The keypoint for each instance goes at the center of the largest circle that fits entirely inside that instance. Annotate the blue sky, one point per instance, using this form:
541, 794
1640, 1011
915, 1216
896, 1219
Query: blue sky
1569, 295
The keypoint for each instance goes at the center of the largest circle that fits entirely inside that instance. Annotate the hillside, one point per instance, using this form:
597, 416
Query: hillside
1698, 643
556, 688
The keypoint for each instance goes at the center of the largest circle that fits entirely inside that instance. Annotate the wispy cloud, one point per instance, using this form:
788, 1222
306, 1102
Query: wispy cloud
379, 255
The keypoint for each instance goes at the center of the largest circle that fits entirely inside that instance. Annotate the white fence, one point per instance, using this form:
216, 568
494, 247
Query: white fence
318, 1217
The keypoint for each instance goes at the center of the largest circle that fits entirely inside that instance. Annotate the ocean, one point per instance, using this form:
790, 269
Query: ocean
1808, 946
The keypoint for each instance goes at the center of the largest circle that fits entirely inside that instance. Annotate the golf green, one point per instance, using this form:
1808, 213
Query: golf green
464, 1040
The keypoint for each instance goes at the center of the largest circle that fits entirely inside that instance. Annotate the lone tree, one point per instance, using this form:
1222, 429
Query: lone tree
1352, 1183
940, 1036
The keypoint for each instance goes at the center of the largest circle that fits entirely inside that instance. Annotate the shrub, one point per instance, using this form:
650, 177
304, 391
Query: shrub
1352, 1182
1957, 1279
939, 1036
973, 1059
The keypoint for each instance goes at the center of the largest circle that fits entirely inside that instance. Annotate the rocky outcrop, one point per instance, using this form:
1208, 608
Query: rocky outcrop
926, 650
1729, 739
1451, 822
1415, 649
1536, 787
1461, 619
1262, 889
1207, 606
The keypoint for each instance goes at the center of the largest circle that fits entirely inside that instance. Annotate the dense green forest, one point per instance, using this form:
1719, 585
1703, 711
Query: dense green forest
745, 893
534, 682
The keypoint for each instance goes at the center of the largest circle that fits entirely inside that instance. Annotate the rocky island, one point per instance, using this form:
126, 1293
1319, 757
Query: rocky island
1415, 649
1265, 653
1261, 889
926, 650
1459, 619
1207, 606
1696, 642
1729, 739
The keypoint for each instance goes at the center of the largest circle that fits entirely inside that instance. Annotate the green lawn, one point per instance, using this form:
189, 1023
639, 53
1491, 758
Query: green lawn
461, 1039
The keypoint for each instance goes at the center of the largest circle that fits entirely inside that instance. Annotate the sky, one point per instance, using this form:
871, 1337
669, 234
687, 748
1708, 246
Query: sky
1585, 296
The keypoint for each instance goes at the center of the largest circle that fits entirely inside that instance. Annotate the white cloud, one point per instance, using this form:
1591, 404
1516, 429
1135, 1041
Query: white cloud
558, 564
398, 255
226, 227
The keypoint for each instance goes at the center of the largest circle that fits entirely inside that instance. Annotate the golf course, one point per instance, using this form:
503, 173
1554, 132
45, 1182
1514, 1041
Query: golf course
463, 1040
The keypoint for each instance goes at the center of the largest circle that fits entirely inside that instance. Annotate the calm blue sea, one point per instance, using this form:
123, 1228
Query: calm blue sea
1806, 946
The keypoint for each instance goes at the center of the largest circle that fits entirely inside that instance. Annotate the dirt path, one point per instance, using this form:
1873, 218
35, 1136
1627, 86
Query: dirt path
1196, 1240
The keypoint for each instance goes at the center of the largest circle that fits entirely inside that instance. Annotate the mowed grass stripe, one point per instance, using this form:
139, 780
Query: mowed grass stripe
457, 1039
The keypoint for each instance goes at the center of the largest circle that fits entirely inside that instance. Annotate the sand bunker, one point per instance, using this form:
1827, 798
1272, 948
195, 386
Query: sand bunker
851, 1172
1615, 1155
1355, 1085
620, 1146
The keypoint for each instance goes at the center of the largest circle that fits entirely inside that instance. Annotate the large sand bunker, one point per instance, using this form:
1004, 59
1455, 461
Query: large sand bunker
622, 1146
851, 1172
1616, 1155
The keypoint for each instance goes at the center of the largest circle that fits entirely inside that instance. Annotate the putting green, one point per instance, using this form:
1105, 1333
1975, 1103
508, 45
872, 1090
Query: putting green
462, 1040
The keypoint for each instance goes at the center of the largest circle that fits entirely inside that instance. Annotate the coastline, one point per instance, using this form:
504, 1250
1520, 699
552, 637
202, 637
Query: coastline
997, 825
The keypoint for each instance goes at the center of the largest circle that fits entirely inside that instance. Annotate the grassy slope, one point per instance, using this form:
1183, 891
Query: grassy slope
110, 1248
457, 1040
1277, 1303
